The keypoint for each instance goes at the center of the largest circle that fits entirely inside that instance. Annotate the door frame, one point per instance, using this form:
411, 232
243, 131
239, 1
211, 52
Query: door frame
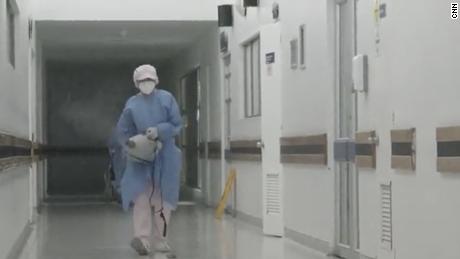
197, 191
227, 114
345, 49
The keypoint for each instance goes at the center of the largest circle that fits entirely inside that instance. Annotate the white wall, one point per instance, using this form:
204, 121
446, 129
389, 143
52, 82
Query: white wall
15, 199
204, 55
249, 188
309, 194
160, 10
249, 174
308, 109
413, 83
14, 84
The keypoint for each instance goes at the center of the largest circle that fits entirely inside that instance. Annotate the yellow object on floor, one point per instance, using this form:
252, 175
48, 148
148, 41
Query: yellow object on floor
228, 188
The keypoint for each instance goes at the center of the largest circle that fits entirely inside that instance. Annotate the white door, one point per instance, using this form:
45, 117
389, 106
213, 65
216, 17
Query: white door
271, 79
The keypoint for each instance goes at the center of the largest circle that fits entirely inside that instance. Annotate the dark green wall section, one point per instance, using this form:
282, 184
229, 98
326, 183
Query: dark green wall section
84, 101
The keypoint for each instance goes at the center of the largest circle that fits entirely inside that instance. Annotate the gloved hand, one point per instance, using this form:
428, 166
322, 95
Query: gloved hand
152, 133
159, 147
130, 143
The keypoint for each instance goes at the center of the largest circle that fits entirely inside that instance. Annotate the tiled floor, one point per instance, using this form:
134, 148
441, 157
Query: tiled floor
104, 232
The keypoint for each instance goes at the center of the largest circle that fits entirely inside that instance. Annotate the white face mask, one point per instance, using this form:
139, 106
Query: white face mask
147, 87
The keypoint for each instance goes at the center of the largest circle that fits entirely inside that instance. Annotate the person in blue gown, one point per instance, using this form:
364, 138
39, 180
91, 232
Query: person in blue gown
153, 112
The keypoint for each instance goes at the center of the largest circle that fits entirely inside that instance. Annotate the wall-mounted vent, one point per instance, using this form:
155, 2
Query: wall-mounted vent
273, 194
386, 225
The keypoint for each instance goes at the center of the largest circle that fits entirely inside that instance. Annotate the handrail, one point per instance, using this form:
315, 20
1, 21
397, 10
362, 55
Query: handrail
15, 151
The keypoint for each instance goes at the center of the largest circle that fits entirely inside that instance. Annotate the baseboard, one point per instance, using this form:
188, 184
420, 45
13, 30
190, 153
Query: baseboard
72, 199
249, 219
361, 256
303, 239
20, 242
309, 241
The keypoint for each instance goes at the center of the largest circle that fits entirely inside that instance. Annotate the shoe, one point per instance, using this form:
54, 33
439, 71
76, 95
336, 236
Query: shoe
140, 247
162, 247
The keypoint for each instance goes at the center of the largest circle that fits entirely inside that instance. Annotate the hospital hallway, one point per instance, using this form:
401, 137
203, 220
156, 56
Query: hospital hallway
281, 129
94, 232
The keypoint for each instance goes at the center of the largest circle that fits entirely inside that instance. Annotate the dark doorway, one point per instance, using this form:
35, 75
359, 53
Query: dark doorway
84, 101
189, 100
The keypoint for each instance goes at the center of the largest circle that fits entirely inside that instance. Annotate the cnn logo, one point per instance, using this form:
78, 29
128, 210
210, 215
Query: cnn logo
454, 11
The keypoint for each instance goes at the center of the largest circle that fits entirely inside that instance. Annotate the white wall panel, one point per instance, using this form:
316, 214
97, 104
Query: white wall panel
413, 83
309, 201
14, 204
249, 188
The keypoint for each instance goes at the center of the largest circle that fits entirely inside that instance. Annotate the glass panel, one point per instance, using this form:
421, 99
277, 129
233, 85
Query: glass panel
256, 79
302, 45
344, 205
228, 113
294, 53
247, 81
11, 34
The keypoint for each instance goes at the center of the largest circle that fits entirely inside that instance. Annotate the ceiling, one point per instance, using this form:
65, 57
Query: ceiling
116, 40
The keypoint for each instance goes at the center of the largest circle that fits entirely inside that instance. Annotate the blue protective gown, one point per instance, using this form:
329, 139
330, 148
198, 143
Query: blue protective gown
160, 110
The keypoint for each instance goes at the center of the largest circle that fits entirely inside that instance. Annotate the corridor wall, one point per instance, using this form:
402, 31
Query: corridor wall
203, 55
413, 83
309, 190
15, 200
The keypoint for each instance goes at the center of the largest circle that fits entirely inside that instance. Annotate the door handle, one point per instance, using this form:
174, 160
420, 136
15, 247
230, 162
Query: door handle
260, 144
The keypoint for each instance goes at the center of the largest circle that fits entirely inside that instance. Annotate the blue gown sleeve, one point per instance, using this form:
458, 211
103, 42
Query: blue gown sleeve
125, 127
173, 125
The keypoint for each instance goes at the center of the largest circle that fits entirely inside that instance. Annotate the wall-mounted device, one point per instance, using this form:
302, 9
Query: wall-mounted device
276, 11
344, 150
360, 73
223, 42
251, 3
225, 13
